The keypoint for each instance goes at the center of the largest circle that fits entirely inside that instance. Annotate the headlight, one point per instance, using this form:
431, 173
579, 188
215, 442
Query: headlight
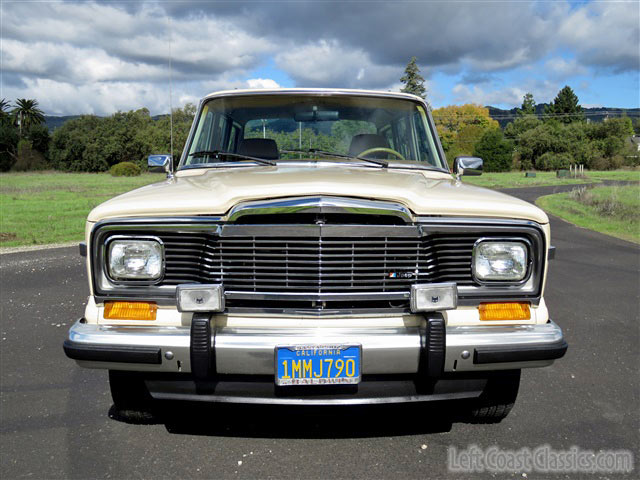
131, 259
499, 260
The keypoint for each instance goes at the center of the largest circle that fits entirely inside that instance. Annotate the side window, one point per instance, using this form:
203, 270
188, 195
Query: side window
204, 139
212, 136
424, 152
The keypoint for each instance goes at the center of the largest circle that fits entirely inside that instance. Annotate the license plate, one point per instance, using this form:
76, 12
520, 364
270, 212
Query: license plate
318, 364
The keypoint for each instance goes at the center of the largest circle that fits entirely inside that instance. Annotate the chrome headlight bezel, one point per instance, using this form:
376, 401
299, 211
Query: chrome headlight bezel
124, 280
527, 247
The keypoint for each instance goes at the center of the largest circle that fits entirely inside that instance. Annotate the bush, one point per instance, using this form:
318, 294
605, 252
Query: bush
125, 169
605, 163
28, 158
495, 151
553, 161
599, 163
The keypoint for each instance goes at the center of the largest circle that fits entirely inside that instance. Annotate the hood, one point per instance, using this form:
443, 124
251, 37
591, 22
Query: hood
214, 191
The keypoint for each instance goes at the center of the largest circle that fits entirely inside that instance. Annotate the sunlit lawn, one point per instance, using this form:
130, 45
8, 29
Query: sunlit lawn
51, 207
611, 210
517, 179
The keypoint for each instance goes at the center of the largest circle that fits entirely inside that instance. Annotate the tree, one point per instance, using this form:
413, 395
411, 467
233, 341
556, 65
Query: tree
4, 108
8, 144
528, 105
565, 106
27, 113
39, 137
461, 126
495, 150
94, 144
534, 143
521, 125
413, 81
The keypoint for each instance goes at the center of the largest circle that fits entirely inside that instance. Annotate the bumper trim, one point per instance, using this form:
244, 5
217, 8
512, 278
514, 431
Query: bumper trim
257, 390
111, 353
520, 353
248, 350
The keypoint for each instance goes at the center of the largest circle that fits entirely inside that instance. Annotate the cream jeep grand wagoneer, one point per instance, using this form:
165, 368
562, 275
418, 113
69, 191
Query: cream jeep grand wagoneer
312, 247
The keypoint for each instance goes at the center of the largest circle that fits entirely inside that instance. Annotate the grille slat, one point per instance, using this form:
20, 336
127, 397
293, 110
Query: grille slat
277, 264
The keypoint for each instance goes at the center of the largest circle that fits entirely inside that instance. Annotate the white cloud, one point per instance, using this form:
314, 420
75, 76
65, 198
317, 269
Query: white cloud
262, 83
475, 94
61, 98
604, 34
515, 58
199, 45
99, 56
72, 64
509, 96
562, 69
329, 64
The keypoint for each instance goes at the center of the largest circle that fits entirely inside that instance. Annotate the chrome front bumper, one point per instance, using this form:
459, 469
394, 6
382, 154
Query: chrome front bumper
250, 350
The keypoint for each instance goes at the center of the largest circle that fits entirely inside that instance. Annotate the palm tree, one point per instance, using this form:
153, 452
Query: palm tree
4, 106
27, 113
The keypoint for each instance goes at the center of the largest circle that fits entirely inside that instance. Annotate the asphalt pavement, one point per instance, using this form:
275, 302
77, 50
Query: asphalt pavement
56, 419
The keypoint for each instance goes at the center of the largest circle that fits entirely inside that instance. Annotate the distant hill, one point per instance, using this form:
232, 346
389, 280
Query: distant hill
596, 114
53, 122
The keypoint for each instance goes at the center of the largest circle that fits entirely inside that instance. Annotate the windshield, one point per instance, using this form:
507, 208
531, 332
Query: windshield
280, 127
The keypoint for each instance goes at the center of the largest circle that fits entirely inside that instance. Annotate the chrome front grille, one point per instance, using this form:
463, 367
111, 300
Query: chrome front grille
317, 265
327, 266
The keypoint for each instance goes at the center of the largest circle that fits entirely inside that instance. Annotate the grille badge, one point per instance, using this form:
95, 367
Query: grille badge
404, 275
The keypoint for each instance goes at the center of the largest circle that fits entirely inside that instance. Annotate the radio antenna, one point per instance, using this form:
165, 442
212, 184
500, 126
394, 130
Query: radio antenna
170, 94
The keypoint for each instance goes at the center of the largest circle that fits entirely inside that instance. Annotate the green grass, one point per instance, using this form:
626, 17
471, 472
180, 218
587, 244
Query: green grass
611, 210
51, 207
517, 179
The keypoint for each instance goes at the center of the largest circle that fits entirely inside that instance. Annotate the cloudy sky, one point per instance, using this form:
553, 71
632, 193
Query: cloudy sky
100, 57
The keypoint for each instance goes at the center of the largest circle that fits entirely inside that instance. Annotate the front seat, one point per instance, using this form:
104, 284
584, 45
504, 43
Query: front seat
365, 141
265, 148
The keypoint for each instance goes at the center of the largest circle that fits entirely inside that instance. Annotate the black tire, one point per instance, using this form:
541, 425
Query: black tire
497, 399
131, 399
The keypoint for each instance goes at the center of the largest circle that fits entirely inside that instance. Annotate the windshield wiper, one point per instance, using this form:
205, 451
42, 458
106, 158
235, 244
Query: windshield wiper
382, 163
218, 154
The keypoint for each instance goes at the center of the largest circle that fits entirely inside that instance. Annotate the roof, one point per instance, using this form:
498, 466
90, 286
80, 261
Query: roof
307, 91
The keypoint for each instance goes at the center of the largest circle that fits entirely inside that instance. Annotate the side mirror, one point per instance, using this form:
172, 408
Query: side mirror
160, 163
467, 166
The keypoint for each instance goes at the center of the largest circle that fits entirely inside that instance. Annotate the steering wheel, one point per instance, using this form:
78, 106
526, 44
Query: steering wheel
381, 149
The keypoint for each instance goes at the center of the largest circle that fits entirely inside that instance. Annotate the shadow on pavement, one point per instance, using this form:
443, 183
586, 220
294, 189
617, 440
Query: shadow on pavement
277, 421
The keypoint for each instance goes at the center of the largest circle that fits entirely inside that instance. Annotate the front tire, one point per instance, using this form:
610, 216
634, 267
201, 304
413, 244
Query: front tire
131, 399
497, 399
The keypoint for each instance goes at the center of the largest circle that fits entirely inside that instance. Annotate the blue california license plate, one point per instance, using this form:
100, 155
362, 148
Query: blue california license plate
318, 364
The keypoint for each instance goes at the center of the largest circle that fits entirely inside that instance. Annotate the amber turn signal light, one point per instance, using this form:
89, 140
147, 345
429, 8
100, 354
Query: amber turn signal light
130, 310
504, 311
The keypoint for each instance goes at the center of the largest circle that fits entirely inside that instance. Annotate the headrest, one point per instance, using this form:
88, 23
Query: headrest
266, 148
365, 141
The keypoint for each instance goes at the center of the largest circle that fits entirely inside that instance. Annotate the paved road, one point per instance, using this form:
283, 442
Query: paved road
55, 420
